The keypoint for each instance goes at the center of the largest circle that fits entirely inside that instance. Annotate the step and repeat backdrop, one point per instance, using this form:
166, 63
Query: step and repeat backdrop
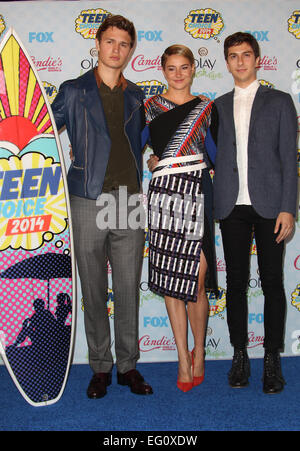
60, 38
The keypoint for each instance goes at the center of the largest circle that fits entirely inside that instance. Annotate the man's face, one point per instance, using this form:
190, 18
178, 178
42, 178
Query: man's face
242, 64
113, 48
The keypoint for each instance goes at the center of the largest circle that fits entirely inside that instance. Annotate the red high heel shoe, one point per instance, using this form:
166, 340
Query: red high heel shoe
185, 386
197, 380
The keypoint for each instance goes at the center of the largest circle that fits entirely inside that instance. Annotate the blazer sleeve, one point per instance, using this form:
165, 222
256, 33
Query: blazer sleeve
146, 138
288, 155
211, 136
145, 128
59, 107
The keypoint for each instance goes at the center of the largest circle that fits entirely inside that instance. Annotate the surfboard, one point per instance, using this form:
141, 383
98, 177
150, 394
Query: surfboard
37, 264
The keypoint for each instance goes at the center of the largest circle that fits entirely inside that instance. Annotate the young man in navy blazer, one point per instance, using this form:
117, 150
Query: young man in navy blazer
104, 116
255, 189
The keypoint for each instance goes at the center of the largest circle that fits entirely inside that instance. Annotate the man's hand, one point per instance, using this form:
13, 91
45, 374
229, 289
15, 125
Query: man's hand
284, 225
152, 162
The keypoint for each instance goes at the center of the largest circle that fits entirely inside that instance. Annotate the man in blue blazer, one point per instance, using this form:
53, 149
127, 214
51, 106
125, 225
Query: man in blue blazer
104, 116
255, 189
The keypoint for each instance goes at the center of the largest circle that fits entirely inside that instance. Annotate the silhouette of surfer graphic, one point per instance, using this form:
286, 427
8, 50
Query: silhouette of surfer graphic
40, 327
43, 328
34, 363
64, 307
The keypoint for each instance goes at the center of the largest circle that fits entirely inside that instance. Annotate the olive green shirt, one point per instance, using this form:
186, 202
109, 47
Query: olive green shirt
121, 169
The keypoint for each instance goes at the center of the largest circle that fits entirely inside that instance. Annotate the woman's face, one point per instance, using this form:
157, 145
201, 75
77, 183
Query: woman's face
178, 72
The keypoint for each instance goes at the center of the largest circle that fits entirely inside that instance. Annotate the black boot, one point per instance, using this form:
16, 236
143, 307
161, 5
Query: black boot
240, 370
273, 381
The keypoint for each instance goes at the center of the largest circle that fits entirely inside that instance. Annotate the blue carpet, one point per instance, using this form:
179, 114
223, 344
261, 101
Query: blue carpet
213, 406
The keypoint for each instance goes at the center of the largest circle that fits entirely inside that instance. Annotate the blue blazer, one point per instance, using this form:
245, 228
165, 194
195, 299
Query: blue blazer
272, 155
78, 106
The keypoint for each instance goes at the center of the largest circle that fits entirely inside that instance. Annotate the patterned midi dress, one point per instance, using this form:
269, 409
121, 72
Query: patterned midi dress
180, 219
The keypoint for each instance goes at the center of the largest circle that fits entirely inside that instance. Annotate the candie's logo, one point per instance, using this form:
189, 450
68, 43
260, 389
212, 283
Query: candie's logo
88, 22
2, 24
203, 23
140, 63
268, 63
221, 266
294, 24
147, 343
152, 87
254, 340
50, 64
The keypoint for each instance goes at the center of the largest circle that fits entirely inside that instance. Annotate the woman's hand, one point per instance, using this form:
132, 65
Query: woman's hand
71, 153
152, 162
204, 98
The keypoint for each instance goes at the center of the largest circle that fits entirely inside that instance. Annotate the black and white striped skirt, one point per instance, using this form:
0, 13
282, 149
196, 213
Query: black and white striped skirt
176, 231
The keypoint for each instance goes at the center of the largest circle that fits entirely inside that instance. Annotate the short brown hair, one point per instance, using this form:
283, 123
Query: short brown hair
119, 22
177, 49
237, 39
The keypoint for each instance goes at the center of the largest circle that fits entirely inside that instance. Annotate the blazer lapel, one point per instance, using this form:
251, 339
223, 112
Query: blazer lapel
90, 98
229, 114
130, 105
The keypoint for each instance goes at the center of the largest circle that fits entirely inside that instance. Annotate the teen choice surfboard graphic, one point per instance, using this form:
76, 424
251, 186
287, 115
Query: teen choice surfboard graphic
37, 275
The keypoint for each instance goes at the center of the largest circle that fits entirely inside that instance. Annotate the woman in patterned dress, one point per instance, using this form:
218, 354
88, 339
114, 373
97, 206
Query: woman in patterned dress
181, 238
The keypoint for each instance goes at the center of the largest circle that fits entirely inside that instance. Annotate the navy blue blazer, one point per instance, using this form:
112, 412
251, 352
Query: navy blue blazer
272, 155
78, 106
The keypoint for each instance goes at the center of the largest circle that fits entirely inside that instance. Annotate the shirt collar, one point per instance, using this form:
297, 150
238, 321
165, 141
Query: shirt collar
121, 83
251, 89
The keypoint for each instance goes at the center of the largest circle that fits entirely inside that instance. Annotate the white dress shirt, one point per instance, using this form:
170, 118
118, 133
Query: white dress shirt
243, 101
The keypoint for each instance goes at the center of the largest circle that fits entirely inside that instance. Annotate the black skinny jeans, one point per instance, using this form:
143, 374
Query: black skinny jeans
237, 235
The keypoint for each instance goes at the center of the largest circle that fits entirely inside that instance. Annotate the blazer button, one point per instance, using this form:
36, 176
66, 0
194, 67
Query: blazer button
235, 170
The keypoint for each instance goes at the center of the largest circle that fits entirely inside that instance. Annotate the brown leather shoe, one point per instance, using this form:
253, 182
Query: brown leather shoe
135, 381
98, 384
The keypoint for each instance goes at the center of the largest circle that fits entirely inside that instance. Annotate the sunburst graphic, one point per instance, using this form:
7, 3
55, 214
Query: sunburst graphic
23, 110
32, 197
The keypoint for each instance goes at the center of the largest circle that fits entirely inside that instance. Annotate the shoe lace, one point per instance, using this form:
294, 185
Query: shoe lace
238, 361
272, 365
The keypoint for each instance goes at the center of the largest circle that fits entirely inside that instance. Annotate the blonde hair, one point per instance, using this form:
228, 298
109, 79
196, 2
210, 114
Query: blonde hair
177, 49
